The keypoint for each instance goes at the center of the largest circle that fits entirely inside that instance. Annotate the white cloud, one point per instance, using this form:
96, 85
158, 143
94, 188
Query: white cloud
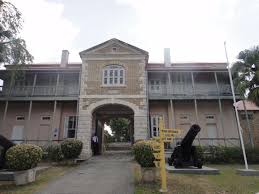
45, 30
194, 30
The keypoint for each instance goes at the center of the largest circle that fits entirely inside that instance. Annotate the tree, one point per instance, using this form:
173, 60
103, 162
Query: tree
119, 127
12, 48
246, 74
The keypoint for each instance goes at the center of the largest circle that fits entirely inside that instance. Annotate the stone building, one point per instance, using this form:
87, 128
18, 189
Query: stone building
115, 79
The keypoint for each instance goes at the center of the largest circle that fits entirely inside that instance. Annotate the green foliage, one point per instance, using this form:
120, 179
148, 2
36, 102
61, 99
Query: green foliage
54, 153
246, 74
119, 127
71, 148
222, 154
143, 153
12, 48
23, 156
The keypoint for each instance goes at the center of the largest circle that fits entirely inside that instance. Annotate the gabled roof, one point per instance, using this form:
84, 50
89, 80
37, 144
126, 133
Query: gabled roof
111, 41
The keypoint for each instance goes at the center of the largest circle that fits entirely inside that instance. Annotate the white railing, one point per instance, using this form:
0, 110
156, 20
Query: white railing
25, 91
187, 90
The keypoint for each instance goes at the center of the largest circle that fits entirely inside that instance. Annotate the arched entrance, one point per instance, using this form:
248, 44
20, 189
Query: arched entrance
86, 121
121, 119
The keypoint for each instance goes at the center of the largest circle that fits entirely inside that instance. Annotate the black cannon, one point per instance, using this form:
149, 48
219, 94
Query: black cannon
184, 153
5, 144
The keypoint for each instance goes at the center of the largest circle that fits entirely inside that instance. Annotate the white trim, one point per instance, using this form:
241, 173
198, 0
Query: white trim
113, 96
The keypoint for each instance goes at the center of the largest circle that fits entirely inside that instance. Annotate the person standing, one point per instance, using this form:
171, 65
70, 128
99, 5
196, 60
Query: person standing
95, 144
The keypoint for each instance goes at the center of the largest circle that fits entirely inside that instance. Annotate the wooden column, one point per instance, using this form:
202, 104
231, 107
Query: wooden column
57, 84
28, 123
172, 121
53, 120
34, 83
173, 113
195, 105
220, 108
5, 113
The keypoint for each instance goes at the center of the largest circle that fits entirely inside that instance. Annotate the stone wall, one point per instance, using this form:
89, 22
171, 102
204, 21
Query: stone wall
94, 94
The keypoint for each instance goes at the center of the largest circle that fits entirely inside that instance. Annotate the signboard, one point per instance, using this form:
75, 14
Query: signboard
166, 135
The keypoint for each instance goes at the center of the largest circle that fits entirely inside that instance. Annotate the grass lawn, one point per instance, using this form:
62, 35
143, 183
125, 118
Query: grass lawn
227, 182
41, 181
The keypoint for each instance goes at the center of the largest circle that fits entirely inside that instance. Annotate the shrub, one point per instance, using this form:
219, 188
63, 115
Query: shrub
71, 148
222, 154
143, 153
23, 156
54, 153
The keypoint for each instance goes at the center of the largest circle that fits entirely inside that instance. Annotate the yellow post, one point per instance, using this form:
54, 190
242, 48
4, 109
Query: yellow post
162, 161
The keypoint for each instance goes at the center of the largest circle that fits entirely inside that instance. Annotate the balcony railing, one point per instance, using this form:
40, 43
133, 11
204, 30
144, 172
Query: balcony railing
26, 91
186, 90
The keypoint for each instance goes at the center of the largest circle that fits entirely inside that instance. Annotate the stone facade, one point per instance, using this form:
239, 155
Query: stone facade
94, 94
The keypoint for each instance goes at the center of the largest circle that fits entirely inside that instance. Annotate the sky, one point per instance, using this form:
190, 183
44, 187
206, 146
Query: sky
194, 30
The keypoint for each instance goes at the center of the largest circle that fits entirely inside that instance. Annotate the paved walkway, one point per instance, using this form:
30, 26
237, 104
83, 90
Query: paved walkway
110, 173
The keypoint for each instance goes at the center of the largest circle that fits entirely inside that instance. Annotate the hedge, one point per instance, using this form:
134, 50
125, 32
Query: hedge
71, 148
143, 153
23, 156
222, 154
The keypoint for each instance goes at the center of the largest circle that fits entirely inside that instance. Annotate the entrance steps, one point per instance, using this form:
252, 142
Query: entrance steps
119, 146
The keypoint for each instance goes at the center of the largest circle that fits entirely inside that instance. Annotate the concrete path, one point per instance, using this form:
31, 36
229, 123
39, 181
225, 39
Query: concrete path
110, 173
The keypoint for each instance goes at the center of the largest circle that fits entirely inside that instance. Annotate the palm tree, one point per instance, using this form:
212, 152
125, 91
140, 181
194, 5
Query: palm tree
246, 74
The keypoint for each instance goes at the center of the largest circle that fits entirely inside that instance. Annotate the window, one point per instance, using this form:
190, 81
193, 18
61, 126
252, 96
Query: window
113, 75
155, 125
155, 85
45, 118
20, 118
70, 127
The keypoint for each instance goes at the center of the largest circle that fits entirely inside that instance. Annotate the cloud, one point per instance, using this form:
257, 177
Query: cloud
45, 29
195, 30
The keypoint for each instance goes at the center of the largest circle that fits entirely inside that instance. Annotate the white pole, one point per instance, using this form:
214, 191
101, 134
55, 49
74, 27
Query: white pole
237, 116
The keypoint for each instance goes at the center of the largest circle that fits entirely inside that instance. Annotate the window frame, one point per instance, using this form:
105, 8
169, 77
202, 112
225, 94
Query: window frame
113, 73
67, 128
156, 117
156, 85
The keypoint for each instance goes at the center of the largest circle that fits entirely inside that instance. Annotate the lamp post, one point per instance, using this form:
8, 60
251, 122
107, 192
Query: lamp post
237, 116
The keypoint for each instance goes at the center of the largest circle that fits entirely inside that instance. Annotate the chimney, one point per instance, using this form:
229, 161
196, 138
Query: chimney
167, 57
64, 58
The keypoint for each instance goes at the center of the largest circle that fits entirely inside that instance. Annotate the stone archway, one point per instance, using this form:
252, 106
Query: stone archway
85, 121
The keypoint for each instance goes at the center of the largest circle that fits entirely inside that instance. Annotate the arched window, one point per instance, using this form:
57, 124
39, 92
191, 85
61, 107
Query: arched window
113, 75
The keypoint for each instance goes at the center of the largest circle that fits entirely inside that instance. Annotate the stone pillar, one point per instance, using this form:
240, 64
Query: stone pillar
140, 126
84, 133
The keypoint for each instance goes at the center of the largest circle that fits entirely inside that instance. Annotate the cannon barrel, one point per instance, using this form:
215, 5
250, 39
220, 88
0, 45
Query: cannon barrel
5, 144
187, 141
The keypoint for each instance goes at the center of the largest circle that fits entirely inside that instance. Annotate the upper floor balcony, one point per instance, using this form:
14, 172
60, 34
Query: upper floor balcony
189, 85
42, 84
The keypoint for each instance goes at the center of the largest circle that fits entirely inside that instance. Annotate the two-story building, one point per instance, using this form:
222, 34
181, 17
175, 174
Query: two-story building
56, 101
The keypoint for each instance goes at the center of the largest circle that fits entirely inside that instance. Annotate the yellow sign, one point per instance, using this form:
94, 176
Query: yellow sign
157, 156
157, 164
167, 139
166, 135
172, 131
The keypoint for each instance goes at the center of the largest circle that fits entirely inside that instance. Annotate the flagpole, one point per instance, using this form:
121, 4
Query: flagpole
237, 116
